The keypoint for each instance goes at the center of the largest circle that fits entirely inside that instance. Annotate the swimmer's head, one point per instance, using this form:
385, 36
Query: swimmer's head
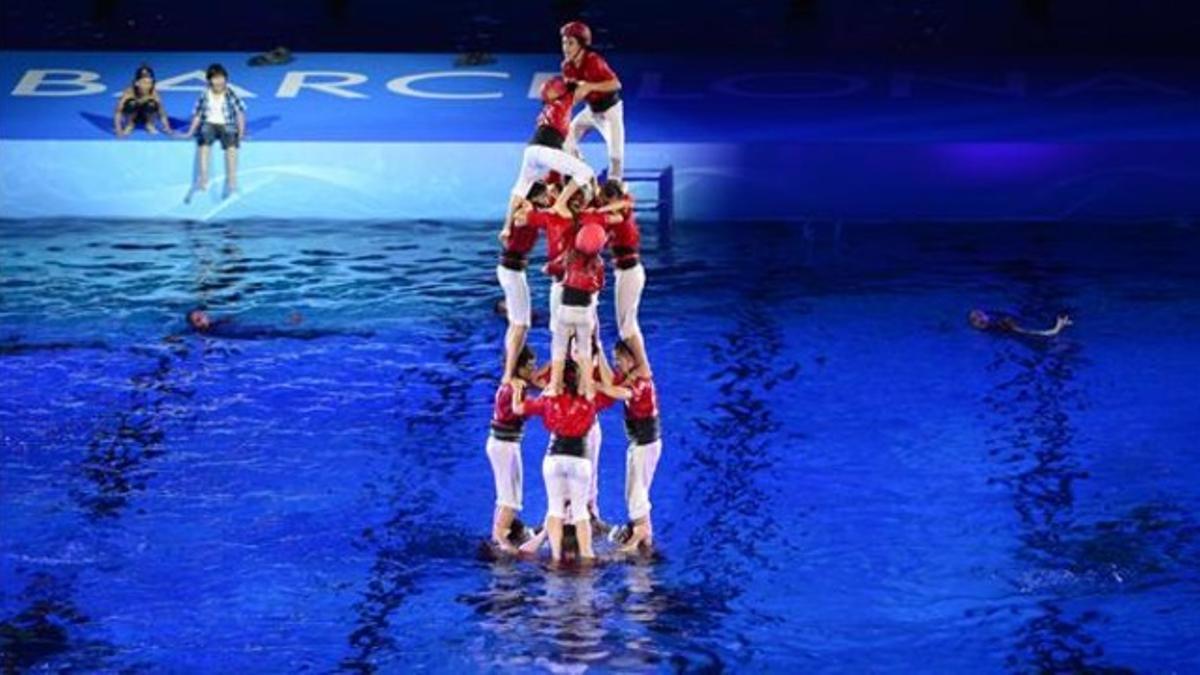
624, 357
199, 320
526, 362
143, 79
979, 319
539, 194
217, 76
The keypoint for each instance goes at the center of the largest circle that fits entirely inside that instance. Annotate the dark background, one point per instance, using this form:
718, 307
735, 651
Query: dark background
914, 28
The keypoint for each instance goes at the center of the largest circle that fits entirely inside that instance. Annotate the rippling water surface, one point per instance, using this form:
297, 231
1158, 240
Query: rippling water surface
853, 480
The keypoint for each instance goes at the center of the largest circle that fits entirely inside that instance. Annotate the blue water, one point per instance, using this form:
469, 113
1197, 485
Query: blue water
853, 480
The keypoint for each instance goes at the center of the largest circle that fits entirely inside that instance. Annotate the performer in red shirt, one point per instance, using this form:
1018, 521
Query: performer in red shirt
560, 233
504, 451
600, 89
545, 150
582, 271
515, 245
645, 446
566, 470
625, 242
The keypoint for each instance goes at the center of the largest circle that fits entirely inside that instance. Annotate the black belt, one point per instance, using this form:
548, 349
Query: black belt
625, 257
569, 446
506, 432
643, 431
549, 137
575, 297
513, 261
607, 101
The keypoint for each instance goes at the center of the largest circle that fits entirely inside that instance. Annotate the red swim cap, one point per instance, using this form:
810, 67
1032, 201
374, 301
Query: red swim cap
578, 30
590, 239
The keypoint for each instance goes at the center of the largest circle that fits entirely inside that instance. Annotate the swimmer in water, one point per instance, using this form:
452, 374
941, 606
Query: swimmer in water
504, 450
999, 322
201, 322
568, 416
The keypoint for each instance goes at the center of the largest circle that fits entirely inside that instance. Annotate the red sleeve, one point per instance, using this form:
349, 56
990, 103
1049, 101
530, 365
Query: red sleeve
538, 219
603, 401
597, 69
535, 407
618, 378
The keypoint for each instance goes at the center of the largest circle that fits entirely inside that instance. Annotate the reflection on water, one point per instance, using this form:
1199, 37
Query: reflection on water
183, 503
48, 626
1036, 444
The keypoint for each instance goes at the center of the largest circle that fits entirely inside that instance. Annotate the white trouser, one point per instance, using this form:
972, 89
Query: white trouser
577, 321
556, 289
627, 298
505, 457
516, 296
640, 463
594, 437
540, 160
567, 479
611, 125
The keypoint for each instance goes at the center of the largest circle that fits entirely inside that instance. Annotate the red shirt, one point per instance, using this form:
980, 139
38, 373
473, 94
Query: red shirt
585, 273
567, 415
521, 240
592, 68
558, 231
625, 234
502, 412
644, 404
590, 217
556, 114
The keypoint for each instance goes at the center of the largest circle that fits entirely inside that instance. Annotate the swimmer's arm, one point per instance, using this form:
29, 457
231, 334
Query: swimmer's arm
1062, 322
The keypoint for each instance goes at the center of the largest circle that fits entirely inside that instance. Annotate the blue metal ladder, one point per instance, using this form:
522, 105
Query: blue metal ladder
664, 202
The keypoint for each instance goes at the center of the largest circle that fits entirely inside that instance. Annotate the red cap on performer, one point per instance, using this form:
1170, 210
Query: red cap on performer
578, 30
590, 239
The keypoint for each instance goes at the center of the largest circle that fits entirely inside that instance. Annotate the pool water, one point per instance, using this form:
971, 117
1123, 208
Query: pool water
853, 479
